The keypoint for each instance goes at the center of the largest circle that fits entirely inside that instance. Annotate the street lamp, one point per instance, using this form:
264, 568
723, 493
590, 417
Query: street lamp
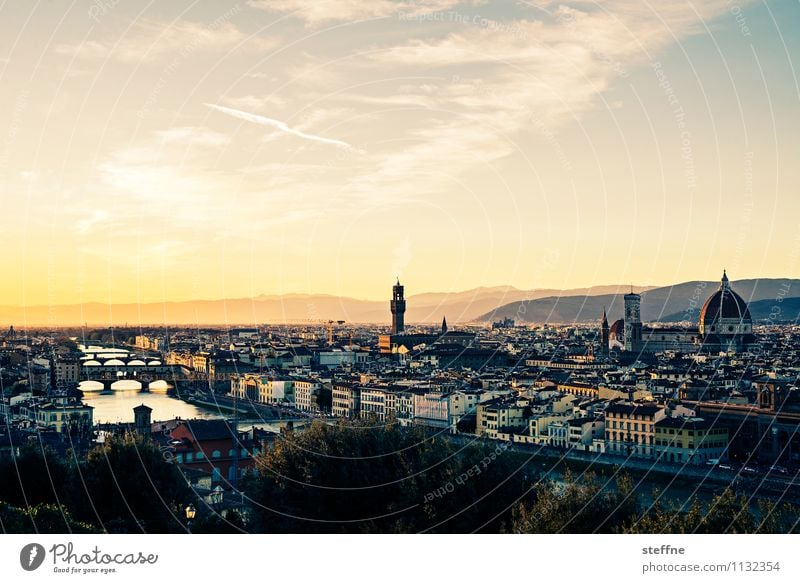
216, 497
190, 512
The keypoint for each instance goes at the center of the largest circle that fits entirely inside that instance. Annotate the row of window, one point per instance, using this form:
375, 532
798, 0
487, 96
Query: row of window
690, 445
633, 417
614, 436
646, 428
216, 454
692, 432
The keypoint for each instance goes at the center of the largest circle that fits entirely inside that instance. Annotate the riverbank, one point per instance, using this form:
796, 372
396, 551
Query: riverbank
666, 477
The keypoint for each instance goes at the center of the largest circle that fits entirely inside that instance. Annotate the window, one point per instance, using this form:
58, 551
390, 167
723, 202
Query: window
216, 454
198, 456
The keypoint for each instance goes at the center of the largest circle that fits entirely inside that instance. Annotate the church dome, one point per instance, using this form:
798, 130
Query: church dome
723, 304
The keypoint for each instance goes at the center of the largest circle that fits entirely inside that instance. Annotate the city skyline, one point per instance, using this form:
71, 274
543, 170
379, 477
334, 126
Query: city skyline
235, 149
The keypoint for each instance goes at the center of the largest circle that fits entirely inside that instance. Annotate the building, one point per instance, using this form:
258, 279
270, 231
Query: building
61, 414
398, 308
725, 325
345, 399
68, 371
630, 428
378, 402
214, 447
200, 363
500, 416
725, 321
306, 394
604, 336
259, 388
432, 409
404, 343
142, 419
335, 357
690, 440
584, 431
633, 322
765, 431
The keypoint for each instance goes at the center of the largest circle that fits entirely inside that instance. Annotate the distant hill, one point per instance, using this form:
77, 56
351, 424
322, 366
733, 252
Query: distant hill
671, 303
291, 308
482, 304
772, 310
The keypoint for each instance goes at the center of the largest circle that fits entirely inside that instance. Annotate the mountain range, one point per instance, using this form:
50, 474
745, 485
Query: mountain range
426, 308
680, 302
675, 303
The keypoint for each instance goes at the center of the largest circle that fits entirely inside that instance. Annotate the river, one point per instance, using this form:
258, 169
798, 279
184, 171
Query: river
117, 407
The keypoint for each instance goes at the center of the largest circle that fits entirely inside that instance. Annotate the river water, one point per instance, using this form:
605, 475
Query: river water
117, 407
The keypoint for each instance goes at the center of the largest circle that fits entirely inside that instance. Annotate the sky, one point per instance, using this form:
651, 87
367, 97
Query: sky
166, 151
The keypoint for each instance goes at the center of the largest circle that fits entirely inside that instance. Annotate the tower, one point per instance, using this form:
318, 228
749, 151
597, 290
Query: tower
444, 325
633, 322
141, 420
398, 307
604, 335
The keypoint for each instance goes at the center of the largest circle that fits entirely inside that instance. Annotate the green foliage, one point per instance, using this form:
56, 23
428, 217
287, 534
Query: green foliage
361, 477
215, 523
726, 513
40, 519
588, 505
356, 477
35, 476
128, 486
125, 485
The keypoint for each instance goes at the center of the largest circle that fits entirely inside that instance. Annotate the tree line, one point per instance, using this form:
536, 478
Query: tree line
357, 477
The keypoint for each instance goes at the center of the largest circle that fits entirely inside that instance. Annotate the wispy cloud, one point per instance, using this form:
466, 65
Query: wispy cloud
276, 124
150, 41
192, 135
323, 11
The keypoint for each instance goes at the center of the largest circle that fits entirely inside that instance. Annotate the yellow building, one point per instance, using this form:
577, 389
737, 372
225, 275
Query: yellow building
630, 428
690, 440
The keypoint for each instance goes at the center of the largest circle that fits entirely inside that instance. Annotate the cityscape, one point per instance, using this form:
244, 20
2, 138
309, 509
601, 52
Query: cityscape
674, 415
337, 269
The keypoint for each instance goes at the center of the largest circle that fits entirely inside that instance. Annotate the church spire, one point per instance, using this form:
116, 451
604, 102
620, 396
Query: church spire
444, 325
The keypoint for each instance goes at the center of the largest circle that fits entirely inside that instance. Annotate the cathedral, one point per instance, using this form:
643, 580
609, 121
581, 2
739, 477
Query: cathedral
725, 325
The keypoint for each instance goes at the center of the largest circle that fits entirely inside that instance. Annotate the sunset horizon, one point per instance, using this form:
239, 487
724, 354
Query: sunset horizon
275, 269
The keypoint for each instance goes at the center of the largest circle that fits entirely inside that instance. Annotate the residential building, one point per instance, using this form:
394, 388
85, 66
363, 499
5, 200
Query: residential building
690, 440
630, 428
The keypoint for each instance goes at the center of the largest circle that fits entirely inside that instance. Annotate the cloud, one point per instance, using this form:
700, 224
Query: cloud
149, 41
275, 124
324, 11
191, 135
255, 101
501, 80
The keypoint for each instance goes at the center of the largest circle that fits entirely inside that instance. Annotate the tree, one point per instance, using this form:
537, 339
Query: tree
126, 485
576, 506
40, 519
725, 513
366, 477
36, 476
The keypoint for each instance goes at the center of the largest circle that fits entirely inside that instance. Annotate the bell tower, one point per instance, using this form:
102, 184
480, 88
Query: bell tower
398, 307
604, 335
633, 322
